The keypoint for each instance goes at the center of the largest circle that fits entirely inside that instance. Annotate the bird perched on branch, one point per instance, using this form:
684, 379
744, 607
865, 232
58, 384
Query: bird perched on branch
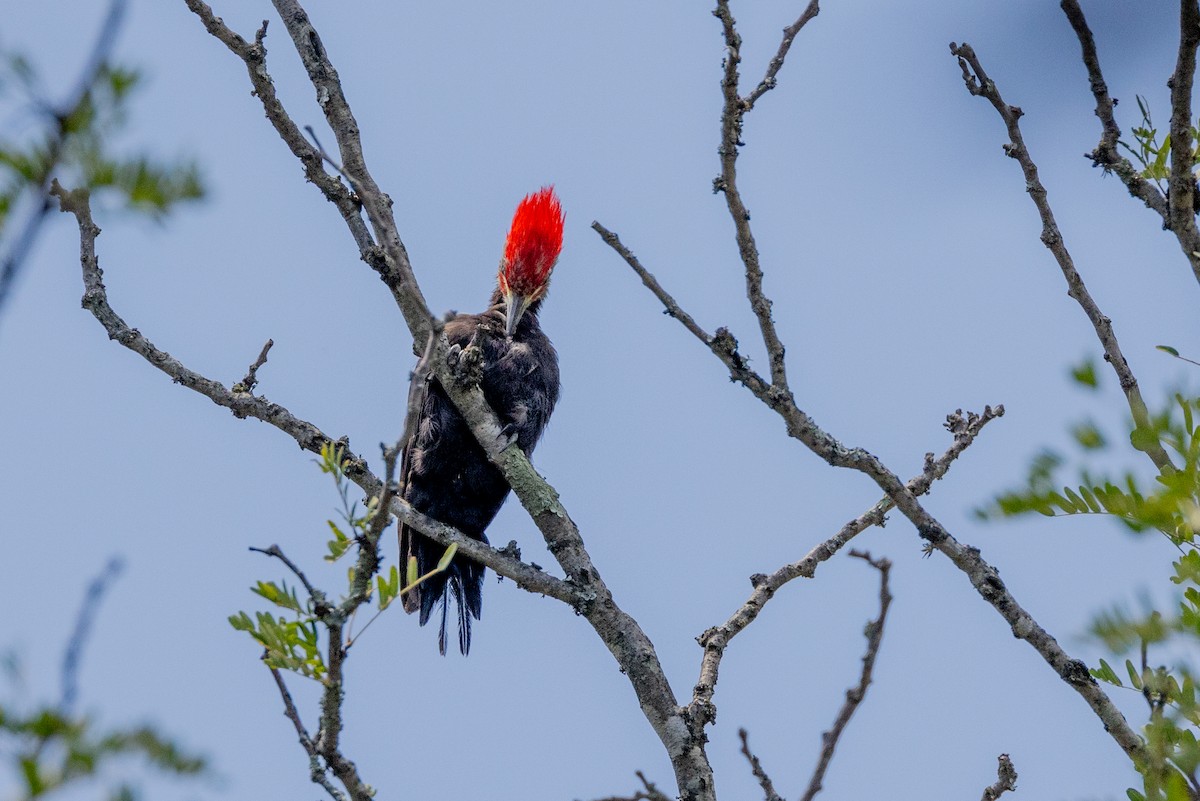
446, 474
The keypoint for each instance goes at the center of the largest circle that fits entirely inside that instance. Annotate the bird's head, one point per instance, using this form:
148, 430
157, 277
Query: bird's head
530, 252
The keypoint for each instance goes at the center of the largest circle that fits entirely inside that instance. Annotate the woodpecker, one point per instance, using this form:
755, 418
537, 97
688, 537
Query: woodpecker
446, 473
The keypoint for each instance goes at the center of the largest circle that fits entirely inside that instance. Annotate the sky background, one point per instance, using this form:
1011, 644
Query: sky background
903, 258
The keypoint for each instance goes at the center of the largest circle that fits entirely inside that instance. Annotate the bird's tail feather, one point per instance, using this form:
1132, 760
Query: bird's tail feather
461, 582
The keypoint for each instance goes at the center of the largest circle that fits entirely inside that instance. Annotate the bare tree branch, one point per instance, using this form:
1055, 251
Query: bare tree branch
715, 640
982, 575
855, 695
1178, 211
1006, 779
1106, 154
14, 259
789, 34
316, 769
83, 628
732, 117
320, 604
1181, 186
979, 84
756, 768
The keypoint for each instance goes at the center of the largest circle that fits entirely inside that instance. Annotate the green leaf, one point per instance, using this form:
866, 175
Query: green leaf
444, 562
1135, 676
1105, 673
1089, 436
1167, 349
1085, 374
388, 588
284, 597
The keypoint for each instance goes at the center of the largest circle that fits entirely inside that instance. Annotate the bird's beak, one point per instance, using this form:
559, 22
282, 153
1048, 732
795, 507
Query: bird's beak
514, 308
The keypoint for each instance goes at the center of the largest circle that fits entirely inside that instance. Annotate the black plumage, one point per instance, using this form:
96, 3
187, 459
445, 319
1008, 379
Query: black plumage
448, 475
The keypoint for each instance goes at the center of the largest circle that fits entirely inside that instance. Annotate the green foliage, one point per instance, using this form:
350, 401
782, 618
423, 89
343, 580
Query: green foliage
1168, 503
75, 145
47, 750
295, 644
1085, 375
51, 751
290, 644
1151, 153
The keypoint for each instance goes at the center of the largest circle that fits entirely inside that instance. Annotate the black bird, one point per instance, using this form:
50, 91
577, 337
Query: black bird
446, 472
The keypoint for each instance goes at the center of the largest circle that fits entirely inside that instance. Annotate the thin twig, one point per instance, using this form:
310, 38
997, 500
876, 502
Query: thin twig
764, 781
715, 640
1106, 154
855, 695
368, 556
1006, 779
321, 606
248, 383
62, 114
671, 308
73, 656
724, 345
732, 118
254, 55
979, 84
290, 711
789, 34
650, 792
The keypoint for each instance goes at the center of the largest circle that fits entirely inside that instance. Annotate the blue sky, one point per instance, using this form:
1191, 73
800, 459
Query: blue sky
903, 258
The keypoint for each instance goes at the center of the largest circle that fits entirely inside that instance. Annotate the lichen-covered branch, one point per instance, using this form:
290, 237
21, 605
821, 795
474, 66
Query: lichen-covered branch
1006, 779
979, 84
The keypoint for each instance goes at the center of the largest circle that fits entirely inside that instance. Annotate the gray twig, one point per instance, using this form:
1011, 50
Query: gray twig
14, 259
316, 769
250, 381
714, 641
1106, 154
979, 84
789, 34
1006, 779
73, 656
733, 116
855, 695
650, 792
321, 606
756, 768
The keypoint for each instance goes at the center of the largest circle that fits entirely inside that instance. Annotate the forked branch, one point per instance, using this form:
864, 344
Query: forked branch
980, 85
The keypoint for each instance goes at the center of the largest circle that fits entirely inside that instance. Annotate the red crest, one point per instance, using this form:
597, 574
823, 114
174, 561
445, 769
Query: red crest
534, 242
